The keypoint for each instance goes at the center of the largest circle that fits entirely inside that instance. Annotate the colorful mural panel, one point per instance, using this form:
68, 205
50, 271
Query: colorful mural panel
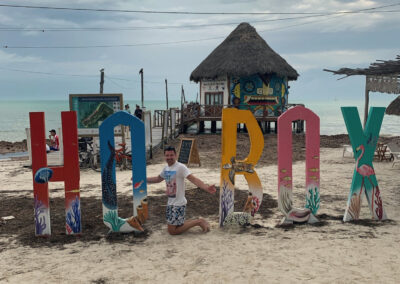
363, 142
231, 167
285, 179
69, 173
93, 109
108, 179
260, 94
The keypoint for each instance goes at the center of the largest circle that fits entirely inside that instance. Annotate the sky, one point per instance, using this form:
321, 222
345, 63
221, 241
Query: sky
309, 43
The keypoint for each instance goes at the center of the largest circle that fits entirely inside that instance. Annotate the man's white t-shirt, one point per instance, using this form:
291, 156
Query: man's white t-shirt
175, 181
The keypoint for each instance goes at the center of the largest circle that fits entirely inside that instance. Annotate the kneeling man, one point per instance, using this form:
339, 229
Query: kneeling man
174, 175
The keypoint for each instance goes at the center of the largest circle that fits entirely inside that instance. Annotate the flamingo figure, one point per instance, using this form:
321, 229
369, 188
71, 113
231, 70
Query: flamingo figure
365, 171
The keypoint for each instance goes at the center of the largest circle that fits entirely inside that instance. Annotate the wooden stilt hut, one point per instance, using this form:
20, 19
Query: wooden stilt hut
243, 71
381, 76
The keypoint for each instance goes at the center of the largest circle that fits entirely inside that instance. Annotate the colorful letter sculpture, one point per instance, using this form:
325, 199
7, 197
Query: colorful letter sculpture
285, 183
231, 167
363, 143
108, 180
69, 173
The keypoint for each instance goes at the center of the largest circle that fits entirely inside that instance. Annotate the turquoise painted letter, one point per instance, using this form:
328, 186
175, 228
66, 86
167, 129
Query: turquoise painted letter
364, 180
108, 181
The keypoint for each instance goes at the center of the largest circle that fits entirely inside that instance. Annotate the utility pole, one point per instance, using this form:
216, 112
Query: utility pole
166, 91
101, 80
141, 81
182, 95
181, 114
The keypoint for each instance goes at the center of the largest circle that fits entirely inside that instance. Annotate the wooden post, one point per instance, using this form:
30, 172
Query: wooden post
141, 83
182, 116
201, 126
101, 80
213, 126
166, 91
366, 104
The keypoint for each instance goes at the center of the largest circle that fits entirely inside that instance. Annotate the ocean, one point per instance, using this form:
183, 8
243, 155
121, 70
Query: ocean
14, 115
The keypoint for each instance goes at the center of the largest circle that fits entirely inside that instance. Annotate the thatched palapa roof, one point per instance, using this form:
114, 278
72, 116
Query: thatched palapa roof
378, 68
243, 53
394, 107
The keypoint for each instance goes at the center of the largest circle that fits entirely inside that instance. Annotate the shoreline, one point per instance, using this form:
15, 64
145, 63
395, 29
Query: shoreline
329, 141
7, 147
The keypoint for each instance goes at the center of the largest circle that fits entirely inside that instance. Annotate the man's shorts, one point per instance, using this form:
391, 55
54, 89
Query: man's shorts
175, 215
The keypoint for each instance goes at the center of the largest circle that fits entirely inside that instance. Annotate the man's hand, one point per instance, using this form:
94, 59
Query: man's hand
197, 182
156, 179
211, 189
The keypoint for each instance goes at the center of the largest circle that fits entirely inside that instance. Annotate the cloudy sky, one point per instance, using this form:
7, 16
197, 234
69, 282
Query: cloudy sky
309, 42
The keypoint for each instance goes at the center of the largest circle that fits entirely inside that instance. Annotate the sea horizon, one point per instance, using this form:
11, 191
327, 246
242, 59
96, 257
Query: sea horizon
14, 114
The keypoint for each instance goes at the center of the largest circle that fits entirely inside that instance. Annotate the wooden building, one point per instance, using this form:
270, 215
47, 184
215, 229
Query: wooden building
244, 72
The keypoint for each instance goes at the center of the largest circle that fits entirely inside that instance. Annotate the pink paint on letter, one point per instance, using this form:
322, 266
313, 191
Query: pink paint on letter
285, 179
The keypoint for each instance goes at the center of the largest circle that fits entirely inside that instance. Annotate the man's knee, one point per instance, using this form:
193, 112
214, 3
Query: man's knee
172, 230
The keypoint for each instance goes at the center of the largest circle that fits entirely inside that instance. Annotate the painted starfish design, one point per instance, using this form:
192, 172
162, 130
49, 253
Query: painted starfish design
237, 166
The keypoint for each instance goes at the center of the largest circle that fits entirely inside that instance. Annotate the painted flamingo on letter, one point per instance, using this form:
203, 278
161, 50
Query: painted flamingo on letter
366, 171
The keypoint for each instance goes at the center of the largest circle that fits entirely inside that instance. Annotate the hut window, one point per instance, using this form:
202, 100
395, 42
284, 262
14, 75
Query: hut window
214, 98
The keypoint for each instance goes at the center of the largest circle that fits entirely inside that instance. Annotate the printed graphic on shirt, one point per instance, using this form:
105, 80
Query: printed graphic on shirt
170, 180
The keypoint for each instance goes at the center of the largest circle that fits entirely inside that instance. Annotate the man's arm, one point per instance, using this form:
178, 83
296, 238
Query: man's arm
156, 179
197, 182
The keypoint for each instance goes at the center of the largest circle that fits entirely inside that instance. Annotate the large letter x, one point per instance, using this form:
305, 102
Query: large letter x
364, 179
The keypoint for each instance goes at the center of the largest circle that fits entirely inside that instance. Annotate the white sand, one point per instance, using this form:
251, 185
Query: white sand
335, 252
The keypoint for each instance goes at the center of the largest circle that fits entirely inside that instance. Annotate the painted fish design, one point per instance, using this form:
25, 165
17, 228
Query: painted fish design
138, 184
108, 186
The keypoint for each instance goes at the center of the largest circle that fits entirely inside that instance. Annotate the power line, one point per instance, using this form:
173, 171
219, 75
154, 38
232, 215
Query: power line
178, 42
45, 73
149, 82
95, 29
117, 84
69, 29
143, 44
108, 46
112, 79
302, 24
176, 12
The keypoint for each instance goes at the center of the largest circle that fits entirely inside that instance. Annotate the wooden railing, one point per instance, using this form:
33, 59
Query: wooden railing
196, 111
177, 113
158, 117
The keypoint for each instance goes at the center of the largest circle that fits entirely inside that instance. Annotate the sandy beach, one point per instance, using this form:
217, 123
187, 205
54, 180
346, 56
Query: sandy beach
330, 252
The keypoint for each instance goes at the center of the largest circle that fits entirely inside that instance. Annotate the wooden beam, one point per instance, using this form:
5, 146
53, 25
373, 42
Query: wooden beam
366, 105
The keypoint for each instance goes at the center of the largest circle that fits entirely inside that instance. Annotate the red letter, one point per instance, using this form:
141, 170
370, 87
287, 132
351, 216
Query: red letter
69, 173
